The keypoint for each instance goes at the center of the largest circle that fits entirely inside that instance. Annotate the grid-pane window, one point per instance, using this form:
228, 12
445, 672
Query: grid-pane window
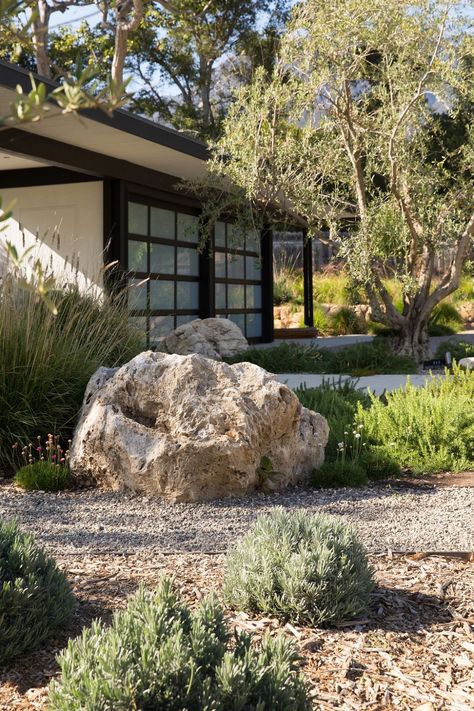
163, 266
238, 278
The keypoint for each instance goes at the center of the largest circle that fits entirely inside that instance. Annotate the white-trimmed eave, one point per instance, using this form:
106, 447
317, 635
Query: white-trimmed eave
91, 135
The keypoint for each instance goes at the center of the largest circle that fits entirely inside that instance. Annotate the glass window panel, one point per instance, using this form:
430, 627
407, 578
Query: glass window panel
162, 223
188, 262
236, 296
160, 326
235, 237
137, 218
184, 319
219, 261
235, 266
239, 319
252, 242
219, 234
161, 294
162, 258
254, 296
220, 296
254, 325
254, 268
187, 295
137, 256
137, 291
188, 227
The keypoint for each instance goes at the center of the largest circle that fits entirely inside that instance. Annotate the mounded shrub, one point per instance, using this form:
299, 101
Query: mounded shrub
157, 654
378, 464
426, 429
345, 321
35, 597
458, 349
43, 476
444, 320
307, 568
339, 474
337, 402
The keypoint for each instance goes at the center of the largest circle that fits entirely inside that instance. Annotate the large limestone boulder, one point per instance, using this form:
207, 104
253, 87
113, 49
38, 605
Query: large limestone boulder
188, 428
214, 338
467, 363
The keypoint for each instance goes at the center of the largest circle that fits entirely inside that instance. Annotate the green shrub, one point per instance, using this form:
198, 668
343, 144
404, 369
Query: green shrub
46, 360
321, 322
330, 288
379, 329
458, 349
465, 292
159, 655
44, 476
378, 465
35, 597
282, 358
360, 359
444, 320
425, 429
288, 284
337, 402
368, 359
310, 569
339, 473
345, 322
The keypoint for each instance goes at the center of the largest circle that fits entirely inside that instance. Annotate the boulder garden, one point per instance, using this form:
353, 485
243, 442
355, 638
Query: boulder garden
188, 428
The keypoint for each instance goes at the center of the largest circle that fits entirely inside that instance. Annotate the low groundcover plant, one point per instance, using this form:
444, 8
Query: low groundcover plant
307, 568
157, 654
45, 467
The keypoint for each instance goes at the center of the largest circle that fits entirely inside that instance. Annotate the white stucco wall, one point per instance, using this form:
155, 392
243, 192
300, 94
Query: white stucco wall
63, 223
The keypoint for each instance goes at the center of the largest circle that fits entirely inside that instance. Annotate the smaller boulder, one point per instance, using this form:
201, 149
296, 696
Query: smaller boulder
467, 363
214, 338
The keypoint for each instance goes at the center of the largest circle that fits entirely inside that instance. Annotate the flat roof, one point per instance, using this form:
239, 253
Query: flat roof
12, 75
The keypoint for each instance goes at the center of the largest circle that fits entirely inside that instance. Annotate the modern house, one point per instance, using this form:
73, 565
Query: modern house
89, 191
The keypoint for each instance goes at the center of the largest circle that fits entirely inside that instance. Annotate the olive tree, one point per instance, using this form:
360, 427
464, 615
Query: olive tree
345, 138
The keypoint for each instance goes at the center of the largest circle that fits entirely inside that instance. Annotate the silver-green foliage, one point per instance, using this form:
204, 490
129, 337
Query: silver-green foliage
307, 568
426, 429
35, 597
157, 654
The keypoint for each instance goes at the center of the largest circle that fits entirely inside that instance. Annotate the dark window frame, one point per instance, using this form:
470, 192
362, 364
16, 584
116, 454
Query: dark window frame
243, 282
150, 313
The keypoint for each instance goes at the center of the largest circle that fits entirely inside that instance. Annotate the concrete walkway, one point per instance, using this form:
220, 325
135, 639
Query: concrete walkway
378, 384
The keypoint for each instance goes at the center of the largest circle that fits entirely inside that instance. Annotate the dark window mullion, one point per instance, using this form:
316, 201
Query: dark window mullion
148, 291
175, 320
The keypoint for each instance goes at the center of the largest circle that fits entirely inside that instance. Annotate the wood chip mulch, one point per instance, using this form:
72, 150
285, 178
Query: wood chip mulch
415, 650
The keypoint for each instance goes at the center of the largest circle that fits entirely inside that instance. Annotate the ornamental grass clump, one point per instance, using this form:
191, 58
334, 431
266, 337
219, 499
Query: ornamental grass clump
307, 568
35, 597
47, 359
157, 654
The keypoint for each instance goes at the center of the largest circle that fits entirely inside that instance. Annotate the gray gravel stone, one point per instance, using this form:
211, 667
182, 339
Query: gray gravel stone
95, 521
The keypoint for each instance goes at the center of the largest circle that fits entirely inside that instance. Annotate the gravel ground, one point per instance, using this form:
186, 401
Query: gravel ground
94, 522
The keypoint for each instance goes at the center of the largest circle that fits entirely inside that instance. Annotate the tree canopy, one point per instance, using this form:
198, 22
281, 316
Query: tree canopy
365, 125
185, 57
